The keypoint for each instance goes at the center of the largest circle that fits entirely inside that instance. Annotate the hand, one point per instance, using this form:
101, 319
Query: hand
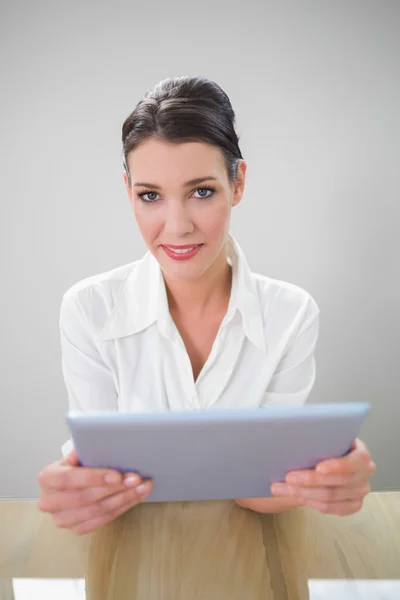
81, 500
339, 491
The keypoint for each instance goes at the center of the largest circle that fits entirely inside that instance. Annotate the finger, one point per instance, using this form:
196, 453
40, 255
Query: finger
364, 468
72, 517
59, 477
330, 494
356, 460
311, 478
69, 499
70, 459
92, 524
347, 507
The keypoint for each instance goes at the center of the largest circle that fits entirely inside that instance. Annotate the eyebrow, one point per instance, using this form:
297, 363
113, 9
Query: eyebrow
191, 182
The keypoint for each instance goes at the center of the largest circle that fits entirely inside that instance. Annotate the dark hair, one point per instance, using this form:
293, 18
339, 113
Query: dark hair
185, 109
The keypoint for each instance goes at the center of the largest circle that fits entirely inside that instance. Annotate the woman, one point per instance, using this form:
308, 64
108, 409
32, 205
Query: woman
189, 325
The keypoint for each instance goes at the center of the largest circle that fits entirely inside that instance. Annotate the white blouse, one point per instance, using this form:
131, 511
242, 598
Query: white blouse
122, 351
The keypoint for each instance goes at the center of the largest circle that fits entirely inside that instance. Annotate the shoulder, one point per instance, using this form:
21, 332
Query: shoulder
95, 296
284, 301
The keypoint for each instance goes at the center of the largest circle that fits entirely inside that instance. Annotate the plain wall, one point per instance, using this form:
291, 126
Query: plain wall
315, 87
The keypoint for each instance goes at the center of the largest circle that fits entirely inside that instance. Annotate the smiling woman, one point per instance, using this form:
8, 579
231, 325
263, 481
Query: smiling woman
184, 172
188, 325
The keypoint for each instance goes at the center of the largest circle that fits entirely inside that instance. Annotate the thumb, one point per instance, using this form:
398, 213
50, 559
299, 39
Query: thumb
71, 459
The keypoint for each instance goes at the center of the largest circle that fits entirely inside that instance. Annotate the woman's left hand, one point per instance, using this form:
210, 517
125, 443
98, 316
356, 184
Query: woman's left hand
340, 490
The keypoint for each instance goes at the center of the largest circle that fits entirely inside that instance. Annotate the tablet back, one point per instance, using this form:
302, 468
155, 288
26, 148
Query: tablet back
216, 453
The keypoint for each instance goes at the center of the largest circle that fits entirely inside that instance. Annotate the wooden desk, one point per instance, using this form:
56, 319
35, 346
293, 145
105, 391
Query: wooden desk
204, 550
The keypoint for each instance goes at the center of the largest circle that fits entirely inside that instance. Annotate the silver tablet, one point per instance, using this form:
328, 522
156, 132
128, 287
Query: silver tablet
215, 454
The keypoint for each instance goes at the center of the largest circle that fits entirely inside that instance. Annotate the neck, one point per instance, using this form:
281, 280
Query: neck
204, 295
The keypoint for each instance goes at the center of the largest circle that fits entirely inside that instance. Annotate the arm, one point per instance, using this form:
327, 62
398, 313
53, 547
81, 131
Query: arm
291, 383
88, 380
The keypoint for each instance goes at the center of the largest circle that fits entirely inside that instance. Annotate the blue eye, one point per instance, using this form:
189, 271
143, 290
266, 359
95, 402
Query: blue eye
149, 201
145, 194
208, 189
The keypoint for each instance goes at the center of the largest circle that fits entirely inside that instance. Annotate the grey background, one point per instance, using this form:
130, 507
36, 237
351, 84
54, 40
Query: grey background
315, 87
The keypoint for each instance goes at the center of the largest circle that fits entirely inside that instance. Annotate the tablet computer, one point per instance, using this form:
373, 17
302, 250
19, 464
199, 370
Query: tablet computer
215, 454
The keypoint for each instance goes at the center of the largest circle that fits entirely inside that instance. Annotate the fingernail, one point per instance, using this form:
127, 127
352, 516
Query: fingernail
296, 480
322, 469
279, 488
131, 480
141, 489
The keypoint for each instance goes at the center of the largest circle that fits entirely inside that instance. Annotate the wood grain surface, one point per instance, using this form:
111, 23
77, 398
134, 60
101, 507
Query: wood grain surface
203, 550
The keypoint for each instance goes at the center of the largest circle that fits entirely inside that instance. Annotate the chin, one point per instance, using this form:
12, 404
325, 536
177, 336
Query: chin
184, 270
179, 275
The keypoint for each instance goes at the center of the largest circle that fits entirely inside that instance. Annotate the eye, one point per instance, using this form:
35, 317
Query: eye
142, 194
150, 193
207, 189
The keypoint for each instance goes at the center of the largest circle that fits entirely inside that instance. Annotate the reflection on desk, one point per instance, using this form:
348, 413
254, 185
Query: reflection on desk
205, 550
48, 589
319, 589
354, 589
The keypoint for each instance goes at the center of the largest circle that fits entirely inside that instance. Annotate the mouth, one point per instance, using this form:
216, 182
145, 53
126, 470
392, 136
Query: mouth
182, 252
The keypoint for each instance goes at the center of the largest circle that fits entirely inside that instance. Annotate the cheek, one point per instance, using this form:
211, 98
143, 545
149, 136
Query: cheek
215, 218
216, 211
149, 221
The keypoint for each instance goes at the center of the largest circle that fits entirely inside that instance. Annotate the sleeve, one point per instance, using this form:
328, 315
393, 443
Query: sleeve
88, 380
295, 374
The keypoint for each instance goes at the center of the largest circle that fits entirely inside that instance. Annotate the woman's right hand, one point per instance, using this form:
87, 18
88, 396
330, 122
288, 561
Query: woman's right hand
80, 499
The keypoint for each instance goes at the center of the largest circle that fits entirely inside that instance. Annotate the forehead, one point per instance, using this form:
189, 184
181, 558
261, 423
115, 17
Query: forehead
155, 158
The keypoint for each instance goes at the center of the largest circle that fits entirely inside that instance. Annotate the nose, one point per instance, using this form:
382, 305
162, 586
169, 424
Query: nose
178, 221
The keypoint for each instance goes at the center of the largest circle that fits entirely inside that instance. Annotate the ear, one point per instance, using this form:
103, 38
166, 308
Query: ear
239, 183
